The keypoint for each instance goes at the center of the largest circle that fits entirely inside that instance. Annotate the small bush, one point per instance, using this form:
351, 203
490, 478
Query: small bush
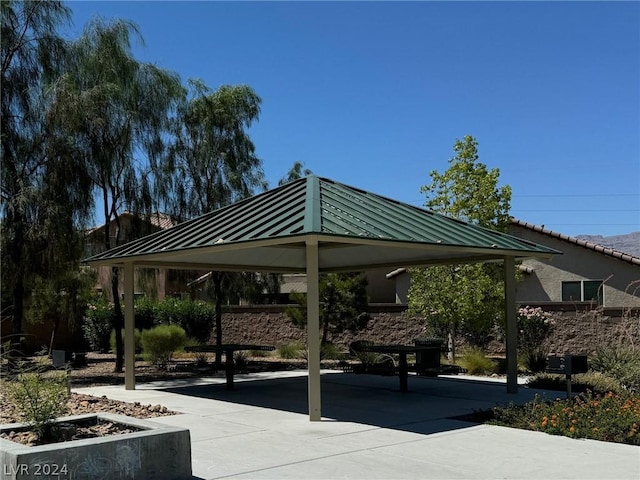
195, 317
159, 343
97, 325
259, 353
622, 363
290, 351
200, 357
40, 397
145, 313
535, 360
329, 351
477, 363
240, 360
137, 340
596, 382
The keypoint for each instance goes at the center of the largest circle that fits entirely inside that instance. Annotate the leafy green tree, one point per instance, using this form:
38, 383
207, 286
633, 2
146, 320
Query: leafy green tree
343, 304
468, 190
297, 171
463, 299
44, 199
213, 164
62, 299
116, 109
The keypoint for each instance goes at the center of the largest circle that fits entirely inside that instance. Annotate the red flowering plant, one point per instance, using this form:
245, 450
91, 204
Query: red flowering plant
609, 417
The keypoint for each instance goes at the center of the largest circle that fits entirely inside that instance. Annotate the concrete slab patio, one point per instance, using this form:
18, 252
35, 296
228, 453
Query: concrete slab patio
369, 430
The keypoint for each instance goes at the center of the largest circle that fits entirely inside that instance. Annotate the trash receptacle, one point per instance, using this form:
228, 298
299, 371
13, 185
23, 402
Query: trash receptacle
60, 358
428, 358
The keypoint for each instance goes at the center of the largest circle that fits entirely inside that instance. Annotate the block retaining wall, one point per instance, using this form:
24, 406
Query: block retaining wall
574, 331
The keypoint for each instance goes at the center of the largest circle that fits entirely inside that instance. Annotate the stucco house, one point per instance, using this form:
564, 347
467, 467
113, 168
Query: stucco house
586, 274
156, 282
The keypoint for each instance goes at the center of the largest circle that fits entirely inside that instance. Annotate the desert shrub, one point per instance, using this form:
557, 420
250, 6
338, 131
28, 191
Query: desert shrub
195, 317
159, 343
622, 363
145, 313
200, 357
596, 382
290, 351
240, 360
259, 353
330, 351
476, 362
366, 358
609, 417
97, 325
137, 340
40, 398
535, 360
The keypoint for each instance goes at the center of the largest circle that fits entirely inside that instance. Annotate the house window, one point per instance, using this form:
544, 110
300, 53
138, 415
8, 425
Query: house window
583, 291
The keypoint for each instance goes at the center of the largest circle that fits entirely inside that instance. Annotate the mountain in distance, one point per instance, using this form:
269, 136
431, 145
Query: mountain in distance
629, 243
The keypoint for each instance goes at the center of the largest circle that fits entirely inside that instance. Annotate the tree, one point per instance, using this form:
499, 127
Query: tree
343, 304
297, 171
44, 200
463, 299
116, 109
212, 164
62, 299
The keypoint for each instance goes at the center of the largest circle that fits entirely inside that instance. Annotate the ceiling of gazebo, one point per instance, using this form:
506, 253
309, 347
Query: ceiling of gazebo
354, 229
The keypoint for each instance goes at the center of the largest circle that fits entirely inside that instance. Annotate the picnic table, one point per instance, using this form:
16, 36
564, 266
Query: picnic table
402, 351
228, 349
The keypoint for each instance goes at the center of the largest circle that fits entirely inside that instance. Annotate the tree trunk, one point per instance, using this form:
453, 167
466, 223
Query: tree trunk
325, 329
117, 320
18, 287
18, 310
54, 329
451, 345
217, 289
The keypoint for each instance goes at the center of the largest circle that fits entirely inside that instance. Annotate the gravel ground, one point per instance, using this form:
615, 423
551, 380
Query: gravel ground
99, 371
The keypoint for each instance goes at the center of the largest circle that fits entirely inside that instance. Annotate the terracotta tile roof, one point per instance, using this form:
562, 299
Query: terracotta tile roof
625, 257
161, 220
400, 271
157, 219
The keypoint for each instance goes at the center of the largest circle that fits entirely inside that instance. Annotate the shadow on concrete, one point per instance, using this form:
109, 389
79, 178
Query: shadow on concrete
430, 406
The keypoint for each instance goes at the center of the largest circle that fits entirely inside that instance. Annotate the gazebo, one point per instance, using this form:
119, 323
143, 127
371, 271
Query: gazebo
315, 225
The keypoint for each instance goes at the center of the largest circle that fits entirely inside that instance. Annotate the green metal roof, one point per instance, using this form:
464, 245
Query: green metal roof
354, 229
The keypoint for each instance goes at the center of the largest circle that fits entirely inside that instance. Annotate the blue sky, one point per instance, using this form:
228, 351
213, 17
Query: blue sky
374, 94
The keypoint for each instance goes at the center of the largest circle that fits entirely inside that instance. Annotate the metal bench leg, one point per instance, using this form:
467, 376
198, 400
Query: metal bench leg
229, 367
403, 372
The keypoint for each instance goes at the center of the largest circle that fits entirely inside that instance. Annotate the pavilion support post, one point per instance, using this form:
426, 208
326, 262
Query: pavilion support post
313, 329
511, 323
129, 334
